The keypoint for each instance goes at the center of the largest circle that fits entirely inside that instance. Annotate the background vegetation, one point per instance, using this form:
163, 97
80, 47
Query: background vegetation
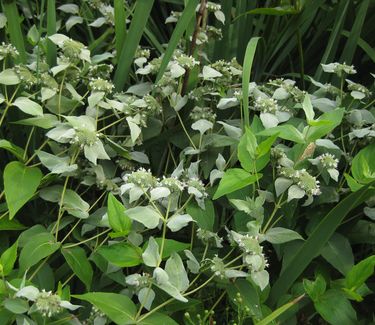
187, 162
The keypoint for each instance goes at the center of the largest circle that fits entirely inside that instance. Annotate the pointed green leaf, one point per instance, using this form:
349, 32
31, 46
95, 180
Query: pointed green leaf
20, 184
119, 308
80, 265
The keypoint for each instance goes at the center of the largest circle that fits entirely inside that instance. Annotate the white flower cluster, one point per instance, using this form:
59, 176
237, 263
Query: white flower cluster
252, 256
8, 49
167, 190
339, 68
207, 237
266, 105
328, 160
45, 302
99, 84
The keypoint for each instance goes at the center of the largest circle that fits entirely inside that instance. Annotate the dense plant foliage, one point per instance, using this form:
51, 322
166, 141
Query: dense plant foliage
145, 183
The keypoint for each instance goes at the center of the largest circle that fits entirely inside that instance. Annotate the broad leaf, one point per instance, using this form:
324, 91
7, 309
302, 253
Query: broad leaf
37, 248
335, 308
147, 216
117, 217
78, 262
119, 308
122, 254
12, 148
20, 184
278, 235
8, 258
233, 180
28, 106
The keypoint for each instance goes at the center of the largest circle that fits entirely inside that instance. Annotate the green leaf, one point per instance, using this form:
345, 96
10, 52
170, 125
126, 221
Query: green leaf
122, 254
37, 248
80, 265
151, 256
308, 108
9, 77
16, 305
325, 124
171, 246
157, 318
334, 38
12, 148
279, 311
204, 218
117, 217
147, 216
176, 272
119, 308
360, 273
316, 241
265, 146
233, 180
279, 235
338, 253
137, 26
249, 295
286, 131
247, 150
28, 106
275, 11
315, 289
181, 26
248, 62
8, 258
72, 202
47, 121
14, 23
120, 24
363, 165
20, 184
335, 308
354, 36
51, 30
6, 224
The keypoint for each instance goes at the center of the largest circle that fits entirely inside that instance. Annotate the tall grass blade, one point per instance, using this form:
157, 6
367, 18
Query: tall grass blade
120, 24
271, 317
133, 37
51, 29
223, 46
351, 44
182, 25
366, 47
247, 64
334, 38
314, 244
14, 29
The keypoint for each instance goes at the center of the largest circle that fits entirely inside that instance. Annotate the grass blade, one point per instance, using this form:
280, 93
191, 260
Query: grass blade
178, 32
271, 317
366, 47
137, 26
120, 25
247, 64
51, 29
223, 46
14, 29
313, 245
351, 44
334, 38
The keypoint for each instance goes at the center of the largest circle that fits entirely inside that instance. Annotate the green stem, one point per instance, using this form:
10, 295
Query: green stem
183, 127
87, 240
165, 219
278, 205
